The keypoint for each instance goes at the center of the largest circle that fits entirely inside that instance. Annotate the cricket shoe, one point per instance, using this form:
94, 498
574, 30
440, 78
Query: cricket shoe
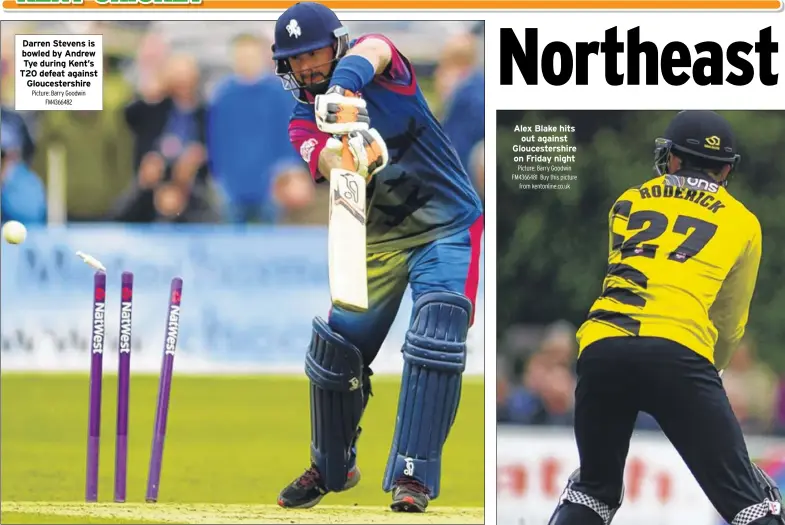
409, 495
308, 490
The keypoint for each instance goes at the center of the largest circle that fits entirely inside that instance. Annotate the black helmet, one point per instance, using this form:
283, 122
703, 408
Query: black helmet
701, 139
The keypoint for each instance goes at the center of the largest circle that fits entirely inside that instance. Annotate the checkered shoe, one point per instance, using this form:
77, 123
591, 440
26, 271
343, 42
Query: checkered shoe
579, 498
756, 512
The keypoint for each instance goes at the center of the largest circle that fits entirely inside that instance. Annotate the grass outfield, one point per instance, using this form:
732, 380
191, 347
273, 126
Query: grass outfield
232, 444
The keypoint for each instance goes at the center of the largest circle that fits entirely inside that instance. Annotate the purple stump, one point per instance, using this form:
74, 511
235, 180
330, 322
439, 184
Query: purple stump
164, 388
123, 387
96, 375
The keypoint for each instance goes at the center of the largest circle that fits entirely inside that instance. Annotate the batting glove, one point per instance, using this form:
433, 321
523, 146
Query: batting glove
339, 112
369, 152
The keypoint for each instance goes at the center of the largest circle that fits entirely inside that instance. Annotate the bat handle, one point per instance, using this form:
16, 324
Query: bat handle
346, 156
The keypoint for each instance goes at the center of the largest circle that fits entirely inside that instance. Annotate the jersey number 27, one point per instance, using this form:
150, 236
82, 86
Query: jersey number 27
650, 225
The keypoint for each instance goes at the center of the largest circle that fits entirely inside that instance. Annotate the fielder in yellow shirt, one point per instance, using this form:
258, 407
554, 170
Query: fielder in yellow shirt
682, 266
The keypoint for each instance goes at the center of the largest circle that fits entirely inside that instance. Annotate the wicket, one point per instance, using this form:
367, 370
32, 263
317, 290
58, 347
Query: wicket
96, 377
123, 387
164, 388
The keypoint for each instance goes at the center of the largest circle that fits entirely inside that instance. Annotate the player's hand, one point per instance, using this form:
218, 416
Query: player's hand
368, 150
339, 112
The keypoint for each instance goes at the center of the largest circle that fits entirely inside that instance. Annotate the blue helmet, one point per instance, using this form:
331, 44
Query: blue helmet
306, 27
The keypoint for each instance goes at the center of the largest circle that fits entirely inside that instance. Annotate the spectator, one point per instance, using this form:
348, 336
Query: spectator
548, 383
151, 59
248, 140
522, 403
457, 60
559, 345
751, 386
299, 199
547, 394
168, 123
15, 130
461, 84
22, 194
557, 394
502, 391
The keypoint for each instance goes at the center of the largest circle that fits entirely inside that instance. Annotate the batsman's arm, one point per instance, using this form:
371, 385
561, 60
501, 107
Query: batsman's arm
375, 50
328, 161
323, 153
309, 142
730, 310
367, 58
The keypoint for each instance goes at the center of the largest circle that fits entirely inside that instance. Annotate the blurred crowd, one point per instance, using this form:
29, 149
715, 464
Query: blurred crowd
186, 139
536, 383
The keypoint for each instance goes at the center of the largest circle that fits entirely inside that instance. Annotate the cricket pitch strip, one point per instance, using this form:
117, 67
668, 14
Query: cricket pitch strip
216, 513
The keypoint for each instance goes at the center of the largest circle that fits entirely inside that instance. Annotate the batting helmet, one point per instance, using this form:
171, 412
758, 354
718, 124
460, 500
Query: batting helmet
303, 28
700, 139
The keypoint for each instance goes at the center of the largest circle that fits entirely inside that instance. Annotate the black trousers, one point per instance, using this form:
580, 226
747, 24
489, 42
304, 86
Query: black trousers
617, 377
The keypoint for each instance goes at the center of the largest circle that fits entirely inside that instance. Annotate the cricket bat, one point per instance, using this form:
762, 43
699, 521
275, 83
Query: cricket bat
348, 270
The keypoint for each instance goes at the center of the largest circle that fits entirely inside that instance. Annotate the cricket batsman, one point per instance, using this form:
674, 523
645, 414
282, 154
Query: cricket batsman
682, 268
424, 229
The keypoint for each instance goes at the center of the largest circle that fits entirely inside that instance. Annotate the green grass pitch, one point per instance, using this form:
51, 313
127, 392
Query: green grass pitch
232, 443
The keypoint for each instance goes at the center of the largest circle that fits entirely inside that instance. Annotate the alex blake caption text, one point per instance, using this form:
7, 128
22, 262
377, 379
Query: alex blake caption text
545, 156
706, 63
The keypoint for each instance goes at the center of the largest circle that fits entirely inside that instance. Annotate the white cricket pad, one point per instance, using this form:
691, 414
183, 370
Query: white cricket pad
346, 240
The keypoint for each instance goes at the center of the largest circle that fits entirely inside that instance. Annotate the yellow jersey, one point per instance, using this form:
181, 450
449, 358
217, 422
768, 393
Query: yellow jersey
683, 263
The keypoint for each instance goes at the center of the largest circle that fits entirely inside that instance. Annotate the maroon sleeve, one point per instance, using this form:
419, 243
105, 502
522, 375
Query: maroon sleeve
309, 142
399, 75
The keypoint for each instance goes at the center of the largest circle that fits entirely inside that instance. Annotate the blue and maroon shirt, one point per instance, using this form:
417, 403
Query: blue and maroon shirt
424, 193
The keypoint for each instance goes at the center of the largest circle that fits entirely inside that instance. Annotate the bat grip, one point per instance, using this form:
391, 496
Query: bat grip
347, 161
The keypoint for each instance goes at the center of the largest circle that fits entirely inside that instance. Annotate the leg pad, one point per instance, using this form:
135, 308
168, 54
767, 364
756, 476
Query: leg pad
335, 368
434, 357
